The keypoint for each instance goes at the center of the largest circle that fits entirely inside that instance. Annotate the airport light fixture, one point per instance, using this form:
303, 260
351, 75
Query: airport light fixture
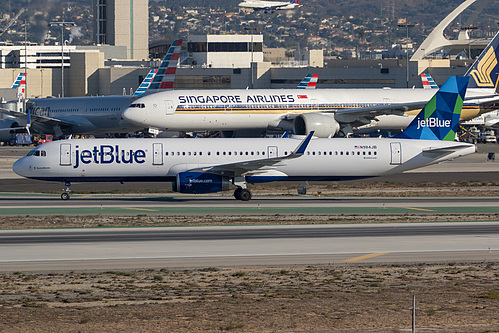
406, 25
468, 29
62, 24
251, 29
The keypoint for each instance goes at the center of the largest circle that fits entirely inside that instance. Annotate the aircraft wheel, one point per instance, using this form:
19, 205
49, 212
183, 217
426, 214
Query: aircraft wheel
65, 196
237, 193
245, 194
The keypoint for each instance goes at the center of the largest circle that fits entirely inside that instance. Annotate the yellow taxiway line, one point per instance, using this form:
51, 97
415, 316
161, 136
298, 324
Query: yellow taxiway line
367, 256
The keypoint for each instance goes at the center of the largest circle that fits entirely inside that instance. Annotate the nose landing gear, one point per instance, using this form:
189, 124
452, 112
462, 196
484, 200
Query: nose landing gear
67, 190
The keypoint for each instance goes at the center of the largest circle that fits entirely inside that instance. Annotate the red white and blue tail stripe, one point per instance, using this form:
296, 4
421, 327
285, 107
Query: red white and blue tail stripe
309, 82
428, 82
20, 83
146, 83
163, 80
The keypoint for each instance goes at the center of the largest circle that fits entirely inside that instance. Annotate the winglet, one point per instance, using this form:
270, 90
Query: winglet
439, 119
303, 145
484, 73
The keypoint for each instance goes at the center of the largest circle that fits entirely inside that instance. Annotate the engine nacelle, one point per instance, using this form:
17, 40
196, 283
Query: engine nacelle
324, 125
200, 182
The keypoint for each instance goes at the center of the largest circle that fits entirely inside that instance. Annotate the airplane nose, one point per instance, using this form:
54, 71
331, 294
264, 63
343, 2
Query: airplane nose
135, 115
20, 167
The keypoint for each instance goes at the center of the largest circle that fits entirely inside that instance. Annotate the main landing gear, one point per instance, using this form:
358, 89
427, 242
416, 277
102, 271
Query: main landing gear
67, 190
241, 192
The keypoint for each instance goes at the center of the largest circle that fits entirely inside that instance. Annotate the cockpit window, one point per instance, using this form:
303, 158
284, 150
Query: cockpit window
138, 105
36, 152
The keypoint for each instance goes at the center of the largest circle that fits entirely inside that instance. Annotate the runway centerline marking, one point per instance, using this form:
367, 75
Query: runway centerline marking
367, 256
424, 210
149, 210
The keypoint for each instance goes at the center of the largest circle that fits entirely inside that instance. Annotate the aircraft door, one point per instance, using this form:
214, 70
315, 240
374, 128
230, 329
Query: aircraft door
396, 153
157, 158
65, 152
271, 151
313, 105
169, 107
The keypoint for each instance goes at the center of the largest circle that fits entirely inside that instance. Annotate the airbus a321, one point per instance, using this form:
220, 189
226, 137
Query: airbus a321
209, 165
270, 5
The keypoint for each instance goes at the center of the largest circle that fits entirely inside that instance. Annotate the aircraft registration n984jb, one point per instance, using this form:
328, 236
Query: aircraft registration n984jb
209, 165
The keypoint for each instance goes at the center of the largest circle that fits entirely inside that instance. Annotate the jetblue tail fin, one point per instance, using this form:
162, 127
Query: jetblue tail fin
439, 119
163, 80
428, 82
309, 82
484, 73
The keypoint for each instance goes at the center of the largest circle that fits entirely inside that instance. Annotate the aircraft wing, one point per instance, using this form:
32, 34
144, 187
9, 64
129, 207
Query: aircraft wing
41, 119
362, 116
254, 167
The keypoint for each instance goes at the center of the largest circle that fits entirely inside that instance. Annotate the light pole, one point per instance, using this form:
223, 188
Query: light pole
252, 48
407, 26
62, 24
468, 29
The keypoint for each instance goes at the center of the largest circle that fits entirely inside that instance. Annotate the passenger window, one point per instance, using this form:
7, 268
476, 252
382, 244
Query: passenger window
347, 153
183, 153
375, 153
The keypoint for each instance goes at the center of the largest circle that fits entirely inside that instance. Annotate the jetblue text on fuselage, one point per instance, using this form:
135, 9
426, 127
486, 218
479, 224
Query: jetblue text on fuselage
106, 154
433, 122
235, 99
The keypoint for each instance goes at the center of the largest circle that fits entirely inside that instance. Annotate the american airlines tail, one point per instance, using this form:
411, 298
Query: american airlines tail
20, 83
439, 119
484, 73
146, 83
428, 82
309, 82
163, 80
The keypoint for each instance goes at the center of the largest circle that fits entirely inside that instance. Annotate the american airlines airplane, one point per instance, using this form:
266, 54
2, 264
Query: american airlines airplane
209, 165
269, 5
324, 111
96, 115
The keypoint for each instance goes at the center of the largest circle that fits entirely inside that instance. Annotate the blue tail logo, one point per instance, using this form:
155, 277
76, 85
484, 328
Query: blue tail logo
485, 70
439, 119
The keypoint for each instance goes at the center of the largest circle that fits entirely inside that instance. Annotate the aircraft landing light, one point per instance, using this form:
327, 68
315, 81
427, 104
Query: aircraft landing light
367, 256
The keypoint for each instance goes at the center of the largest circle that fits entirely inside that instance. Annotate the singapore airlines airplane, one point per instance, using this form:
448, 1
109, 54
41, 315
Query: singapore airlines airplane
325, 111
96, 115
209, 165
269, 5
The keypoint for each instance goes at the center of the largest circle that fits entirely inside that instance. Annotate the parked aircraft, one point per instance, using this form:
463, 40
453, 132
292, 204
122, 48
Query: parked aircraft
325, 111
270, 5
96, 115
208, 165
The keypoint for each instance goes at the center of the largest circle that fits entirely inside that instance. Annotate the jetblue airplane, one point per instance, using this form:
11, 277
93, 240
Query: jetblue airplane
208, 165
96, 115
324, 111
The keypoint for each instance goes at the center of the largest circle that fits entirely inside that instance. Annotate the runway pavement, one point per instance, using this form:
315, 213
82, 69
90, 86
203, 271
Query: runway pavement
35, 250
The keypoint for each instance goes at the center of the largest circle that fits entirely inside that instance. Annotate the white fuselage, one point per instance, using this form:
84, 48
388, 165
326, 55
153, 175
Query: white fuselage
268, 5
163, 159
227, 110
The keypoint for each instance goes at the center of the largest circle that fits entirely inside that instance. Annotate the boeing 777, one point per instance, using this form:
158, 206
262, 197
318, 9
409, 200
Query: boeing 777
96, 115
325, 111
209, 165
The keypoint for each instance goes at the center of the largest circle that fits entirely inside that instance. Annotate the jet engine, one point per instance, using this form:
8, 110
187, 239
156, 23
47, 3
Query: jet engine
200, 182
324, 125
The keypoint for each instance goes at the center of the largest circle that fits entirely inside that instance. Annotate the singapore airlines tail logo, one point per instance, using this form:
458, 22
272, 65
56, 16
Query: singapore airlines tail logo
482, 73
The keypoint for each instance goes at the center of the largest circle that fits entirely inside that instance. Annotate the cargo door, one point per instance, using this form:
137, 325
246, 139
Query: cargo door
65, 158
396, 152
157, 157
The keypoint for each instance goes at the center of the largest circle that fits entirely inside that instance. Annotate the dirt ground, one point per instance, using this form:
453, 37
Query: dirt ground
456, 297
449, 298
